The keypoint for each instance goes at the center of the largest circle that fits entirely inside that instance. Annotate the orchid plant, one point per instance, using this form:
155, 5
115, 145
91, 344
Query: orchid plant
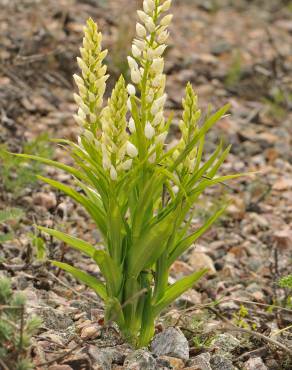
140, 194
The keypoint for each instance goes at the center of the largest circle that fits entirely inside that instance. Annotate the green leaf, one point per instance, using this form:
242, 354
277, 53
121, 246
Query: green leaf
109, 268
177, 289
73, 171
85, 278
76, 243
150, 245
184, 244
40, 245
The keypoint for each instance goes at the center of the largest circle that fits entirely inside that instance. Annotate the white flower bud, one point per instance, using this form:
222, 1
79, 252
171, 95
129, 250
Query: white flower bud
165, 6
113, 173
131, 150
152, 158
132, 63
131, 89
140, 44
148, 6
157, 119
126, 165
135, 76
158, 104
129, 104
159, 51
150, 25
78, 99
132, 126
81, 113
165, 21
163, 37
161, 138
157, 65
79, 120
82, 65
149, 131
141, 30
88, 135
143, 16
78, 80
136, 51
158, 81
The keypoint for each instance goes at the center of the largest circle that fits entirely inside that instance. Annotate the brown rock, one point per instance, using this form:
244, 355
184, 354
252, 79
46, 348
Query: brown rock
255, 363
60, 367
91, 331
175, 363
283, 238
199, 260
283, 184
47, 200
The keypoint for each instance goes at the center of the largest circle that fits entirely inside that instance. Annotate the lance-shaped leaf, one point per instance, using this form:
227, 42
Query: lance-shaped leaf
85, 278
150, 245
176, 289
184, 244
110, 270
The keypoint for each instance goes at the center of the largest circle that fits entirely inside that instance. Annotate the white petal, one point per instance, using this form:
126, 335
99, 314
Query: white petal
132, 126
131, 150
131, 89
141, 30
149, 131
113, 173
165, 21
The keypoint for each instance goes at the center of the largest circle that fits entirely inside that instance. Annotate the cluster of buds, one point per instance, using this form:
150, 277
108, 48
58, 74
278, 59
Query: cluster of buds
189, 127
92, 82
117, 150
146, 66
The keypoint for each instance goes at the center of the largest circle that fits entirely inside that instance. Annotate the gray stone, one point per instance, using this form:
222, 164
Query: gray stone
140, 360
255, 363
171, 342
221, 363
54, 319
101, 357
224, 344
200, 362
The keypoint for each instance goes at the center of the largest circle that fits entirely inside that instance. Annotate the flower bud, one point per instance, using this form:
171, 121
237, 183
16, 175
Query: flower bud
158, 104
163, 37
143, 16
150, 25
165, 6
136, 51
113, 173
161, 138
132, 63
141, 30
157, 119
157, 65
126, 165
135, 76
148, 6
78, 80
159, 51
140, 44
131, 89
149, 131
131, 150
165, 21
79, 120
129, 104
132, 126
